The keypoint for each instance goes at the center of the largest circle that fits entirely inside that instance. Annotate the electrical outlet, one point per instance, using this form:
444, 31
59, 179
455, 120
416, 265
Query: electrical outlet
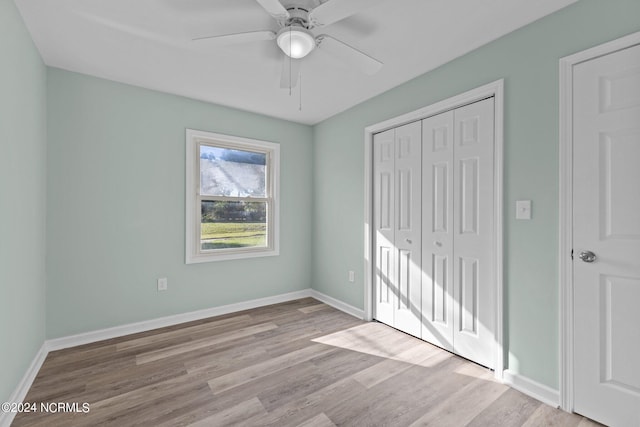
352, 276
162, 284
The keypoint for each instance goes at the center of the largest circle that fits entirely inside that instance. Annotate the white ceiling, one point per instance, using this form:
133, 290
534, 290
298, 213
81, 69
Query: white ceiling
148, 43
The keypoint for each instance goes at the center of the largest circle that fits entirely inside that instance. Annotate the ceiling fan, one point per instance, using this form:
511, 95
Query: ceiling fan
296, 39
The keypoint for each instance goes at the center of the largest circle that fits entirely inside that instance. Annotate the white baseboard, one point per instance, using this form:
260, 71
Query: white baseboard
147, 325
532, 388
342, 306
24, 385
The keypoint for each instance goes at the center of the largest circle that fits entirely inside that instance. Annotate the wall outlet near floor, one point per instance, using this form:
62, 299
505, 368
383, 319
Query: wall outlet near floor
162, 284
352, 276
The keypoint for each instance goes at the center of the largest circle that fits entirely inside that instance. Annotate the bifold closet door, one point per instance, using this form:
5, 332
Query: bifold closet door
434, 230
473, 232
408, 310
437, 230
458, 302
384, 225
397, 219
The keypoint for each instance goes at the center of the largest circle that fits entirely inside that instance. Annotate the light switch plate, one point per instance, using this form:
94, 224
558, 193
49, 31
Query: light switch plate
523, 209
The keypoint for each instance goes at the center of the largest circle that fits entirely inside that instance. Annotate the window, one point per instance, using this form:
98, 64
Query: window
232, 204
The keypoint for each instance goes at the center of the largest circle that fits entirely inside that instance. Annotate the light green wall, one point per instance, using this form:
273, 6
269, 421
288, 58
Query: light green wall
115, 211
114, 193
528, 61
22, 199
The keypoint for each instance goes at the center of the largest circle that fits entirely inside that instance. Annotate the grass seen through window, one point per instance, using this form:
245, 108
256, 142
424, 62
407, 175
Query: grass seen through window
220, 235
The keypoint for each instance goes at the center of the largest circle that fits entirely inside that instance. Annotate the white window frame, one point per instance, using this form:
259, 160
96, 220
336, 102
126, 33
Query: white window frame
193, 252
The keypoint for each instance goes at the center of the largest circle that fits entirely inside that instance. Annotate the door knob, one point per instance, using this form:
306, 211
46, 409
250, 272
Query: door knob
587, 256
408, 241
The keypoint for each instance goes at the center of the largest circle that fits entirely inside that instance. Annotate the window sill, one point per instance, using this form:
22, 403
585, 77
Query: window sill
226, 256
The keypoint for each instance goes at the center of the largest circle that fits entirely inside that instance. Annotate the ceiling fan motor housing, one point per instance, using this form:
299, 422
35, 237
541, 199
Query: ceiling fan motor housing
297, 16
295, 39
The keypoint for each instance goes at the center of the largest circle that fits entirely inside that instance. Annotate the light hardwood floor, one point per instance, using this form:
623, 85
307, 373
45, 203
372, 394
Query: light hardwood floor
300, 363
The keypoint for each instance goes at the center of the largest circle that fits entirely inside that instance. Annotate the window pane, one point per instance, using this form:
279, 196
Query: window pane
232, 173
233, 225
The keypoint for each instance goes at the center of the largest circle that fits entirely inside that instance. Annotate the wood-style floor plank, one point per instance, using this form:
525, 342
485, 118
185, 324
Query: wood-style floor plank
312, 308
300, 363
235, 415
205, 328
510, 409
547, 416
320, 420
152, 356
257, 371
464, 404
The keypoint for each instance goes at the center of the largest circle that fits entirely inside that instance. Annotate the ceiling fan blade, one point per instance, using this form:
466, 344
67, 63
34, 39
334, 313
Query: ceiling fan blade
237, 38
335, 10
349, 55
275, 9
290, 71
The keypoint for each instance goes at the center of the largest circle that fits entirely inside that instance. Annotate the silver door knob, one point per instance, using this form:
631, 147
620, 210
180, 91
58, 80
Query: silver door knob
587, 256
408, 241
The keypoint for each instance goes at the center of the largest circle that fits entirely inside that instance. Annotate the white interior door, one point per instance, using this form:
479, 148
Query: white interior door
437, 230
473, 232
384, 225
606, 222
408, 311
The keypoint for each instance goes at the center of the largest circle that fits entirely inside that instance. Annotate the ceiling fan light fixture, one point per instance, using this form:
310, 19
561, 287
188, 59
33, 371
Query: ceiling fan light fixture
296, 42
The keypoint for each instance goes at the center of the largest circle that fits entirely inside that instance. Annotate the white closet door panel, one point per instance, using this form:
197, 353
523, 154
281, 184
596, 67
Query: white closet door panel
473, 271
407, 316
384, 226
437, 230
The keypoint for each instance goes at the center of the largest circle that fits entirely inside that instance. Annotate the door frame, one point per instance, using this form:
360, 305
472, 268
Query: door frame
496, 90
565, 262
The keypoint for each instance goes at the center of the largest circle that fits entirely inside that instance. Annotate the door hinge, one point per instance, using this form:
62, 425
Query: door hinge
571, 253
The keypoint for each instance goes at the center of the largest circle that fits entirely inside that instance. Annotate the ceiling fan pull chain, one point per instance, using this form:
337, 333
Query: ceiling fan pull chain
290, 59
300, 78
